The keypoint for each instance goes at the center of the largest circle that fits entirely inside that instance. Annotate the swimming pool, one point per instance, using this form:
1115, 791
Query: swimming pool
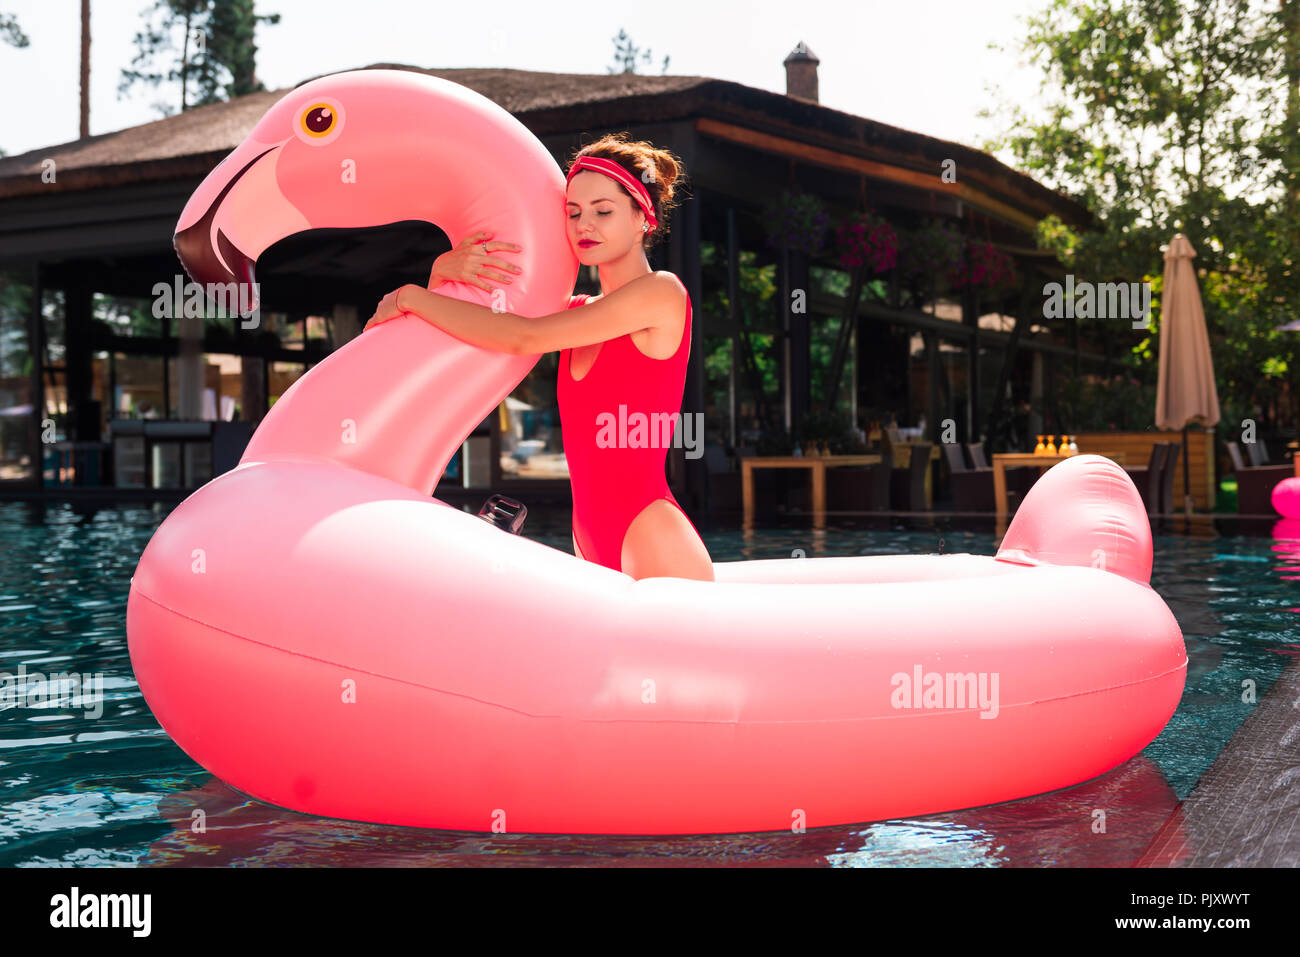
86, 789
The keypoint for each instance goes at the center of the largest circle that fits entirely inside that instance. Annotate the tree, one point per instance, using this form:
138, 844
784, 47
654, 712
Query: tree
231, 43
10, 32
156, 42
1178, 115
204, 45
626, 54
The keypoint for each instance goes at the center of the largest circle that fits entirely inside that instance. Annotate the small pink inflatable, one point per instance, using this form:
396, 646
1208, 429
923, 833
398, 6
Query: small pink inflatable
319, 633
1286, 497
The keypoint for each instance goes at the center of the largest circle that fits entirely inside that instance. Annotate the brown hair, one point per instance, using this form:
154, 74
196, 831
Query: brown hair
658, 169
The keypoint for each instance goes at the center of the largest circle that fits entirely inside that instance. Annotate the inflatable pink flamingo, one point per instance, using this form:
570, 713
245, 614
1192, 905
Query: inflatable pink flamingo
318, 632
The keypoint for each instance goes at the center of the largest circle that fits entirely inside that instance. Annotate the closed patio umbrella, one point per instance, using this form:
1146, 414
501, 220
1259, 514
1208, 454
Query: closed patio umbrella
1185, 389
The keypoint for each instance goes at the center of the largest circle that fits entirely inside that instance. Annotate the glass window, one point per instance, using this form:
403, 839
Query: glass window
289, 330
137, 386
221, 387
318, 328
127, 315
756, 357
54, 310
282, 375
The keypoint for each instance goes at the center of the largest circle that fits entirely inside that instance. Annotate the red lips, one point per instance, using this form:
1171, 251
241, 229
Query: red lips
585, 243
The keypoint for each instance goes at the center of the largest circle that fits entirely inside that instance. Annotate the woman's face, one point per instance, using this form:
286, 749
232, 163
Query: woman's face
604, 222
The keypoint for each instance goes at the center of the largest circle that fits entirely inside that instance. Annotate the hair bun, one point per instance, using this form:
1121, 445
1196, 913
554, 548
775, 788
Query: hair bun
659, 169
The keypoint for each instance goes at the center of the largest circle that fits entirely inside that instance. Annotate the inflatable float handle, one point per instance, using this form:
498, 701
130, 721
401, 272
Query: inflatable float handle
504, 512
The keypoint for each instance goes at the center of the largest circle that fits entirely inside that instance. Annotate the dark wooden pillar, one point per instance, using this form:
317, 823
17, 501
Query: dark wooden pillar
168, 329
934, 365
684, 260
83, 412
734, 321
970, 315
36, 350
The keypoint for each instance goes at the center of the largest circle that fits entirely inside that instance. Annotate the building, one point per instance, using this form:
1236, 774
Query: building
85, 235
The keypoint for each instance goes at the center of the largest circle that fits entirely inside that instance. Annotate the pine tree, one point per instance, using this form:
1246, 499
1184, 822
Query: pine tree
206, 46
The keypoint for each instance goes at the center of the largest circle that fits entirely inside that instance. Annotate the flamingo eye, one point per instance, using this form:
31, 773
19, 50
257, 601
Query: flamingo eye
319, 122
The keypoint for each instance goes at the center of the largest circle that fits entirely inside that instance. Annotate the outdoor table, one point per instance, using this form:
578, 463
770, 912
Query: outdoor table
1004, 460
817, 464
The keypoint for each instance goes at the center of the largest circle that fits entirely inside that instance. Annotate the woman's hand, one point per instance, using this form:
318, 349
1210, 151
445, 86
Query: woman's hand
469, 262
387, 309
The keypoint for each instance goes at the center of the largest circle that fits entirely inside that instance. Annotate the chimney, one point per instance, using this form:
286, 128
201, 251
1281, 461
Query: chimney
801, 73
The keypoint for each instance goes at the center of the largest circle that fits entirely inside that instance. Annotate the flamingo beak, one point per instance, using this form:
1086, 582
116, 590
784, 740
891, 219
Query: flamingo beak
208, 254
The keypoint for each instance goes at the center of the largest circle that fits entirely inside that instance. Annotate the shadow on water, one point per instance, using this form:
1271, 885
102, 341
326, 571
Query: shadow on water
1105, 822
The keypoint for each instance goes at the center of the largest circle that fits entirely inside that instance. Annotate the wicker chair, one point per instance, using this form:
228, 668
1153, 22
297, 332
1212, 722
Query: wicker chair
972, 489
1020, 478
907, 483
1149, 478
1255, 482
1172, 451
859, 488
724, 481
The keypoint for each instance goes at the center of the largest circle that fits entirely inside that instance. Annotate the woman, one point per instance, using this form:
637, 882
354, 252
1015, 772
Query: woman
621, 353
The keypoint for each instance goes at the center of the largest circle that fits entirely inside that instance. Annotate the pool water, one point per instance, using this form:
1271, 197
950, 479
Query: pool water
78, 788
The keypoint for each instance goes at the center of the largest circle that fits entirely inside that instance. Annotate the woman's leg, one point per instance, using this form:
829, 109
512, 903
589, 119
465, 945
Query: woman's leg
661, 542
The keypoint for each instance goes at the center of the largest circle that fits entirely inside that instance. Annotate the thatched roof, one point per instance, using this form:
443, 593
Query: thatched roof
191, 143
220, 127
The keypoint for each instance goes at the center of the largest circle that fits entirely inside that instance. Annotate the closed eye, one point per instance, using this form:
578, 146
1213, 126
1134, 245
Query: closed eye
598, 213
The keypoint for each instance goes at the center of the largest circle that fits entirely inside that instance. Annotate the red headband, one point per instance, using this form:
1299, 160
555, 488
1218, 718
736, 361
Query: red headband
616, 172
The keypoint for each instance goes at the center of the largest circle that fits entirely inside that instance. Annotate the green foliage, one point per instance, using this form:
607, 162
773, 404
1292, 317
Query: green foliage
11, 33
928, 255
15, 307
204, 45
1170, 116
126, 316
757, 288
231, 44
627, 53
1092, 404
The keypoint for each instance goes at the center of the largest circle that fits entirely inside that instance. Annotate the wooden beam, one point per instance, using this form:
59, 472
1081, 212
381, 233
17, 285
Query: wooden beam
896, 174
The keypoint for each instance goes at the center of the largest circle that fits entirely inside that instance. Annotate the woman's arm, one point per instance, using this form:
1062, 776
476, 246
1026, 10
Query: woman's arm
646, 302
467, 321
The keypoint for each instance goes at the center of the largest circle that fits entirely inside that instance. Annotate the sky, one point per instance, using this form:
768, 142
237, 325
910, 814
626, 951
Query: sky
922, 65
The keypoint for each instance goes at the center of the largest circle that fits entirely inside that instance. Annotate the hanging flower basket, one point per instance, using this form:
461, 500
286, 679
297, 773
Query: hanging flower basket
986, 268
865, 239
929, 252
796, 221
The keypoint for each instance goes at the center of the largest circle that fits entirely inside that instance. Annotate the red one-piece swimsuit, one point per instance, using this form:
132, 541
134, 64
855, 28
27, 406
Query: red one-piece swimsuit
614, 421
